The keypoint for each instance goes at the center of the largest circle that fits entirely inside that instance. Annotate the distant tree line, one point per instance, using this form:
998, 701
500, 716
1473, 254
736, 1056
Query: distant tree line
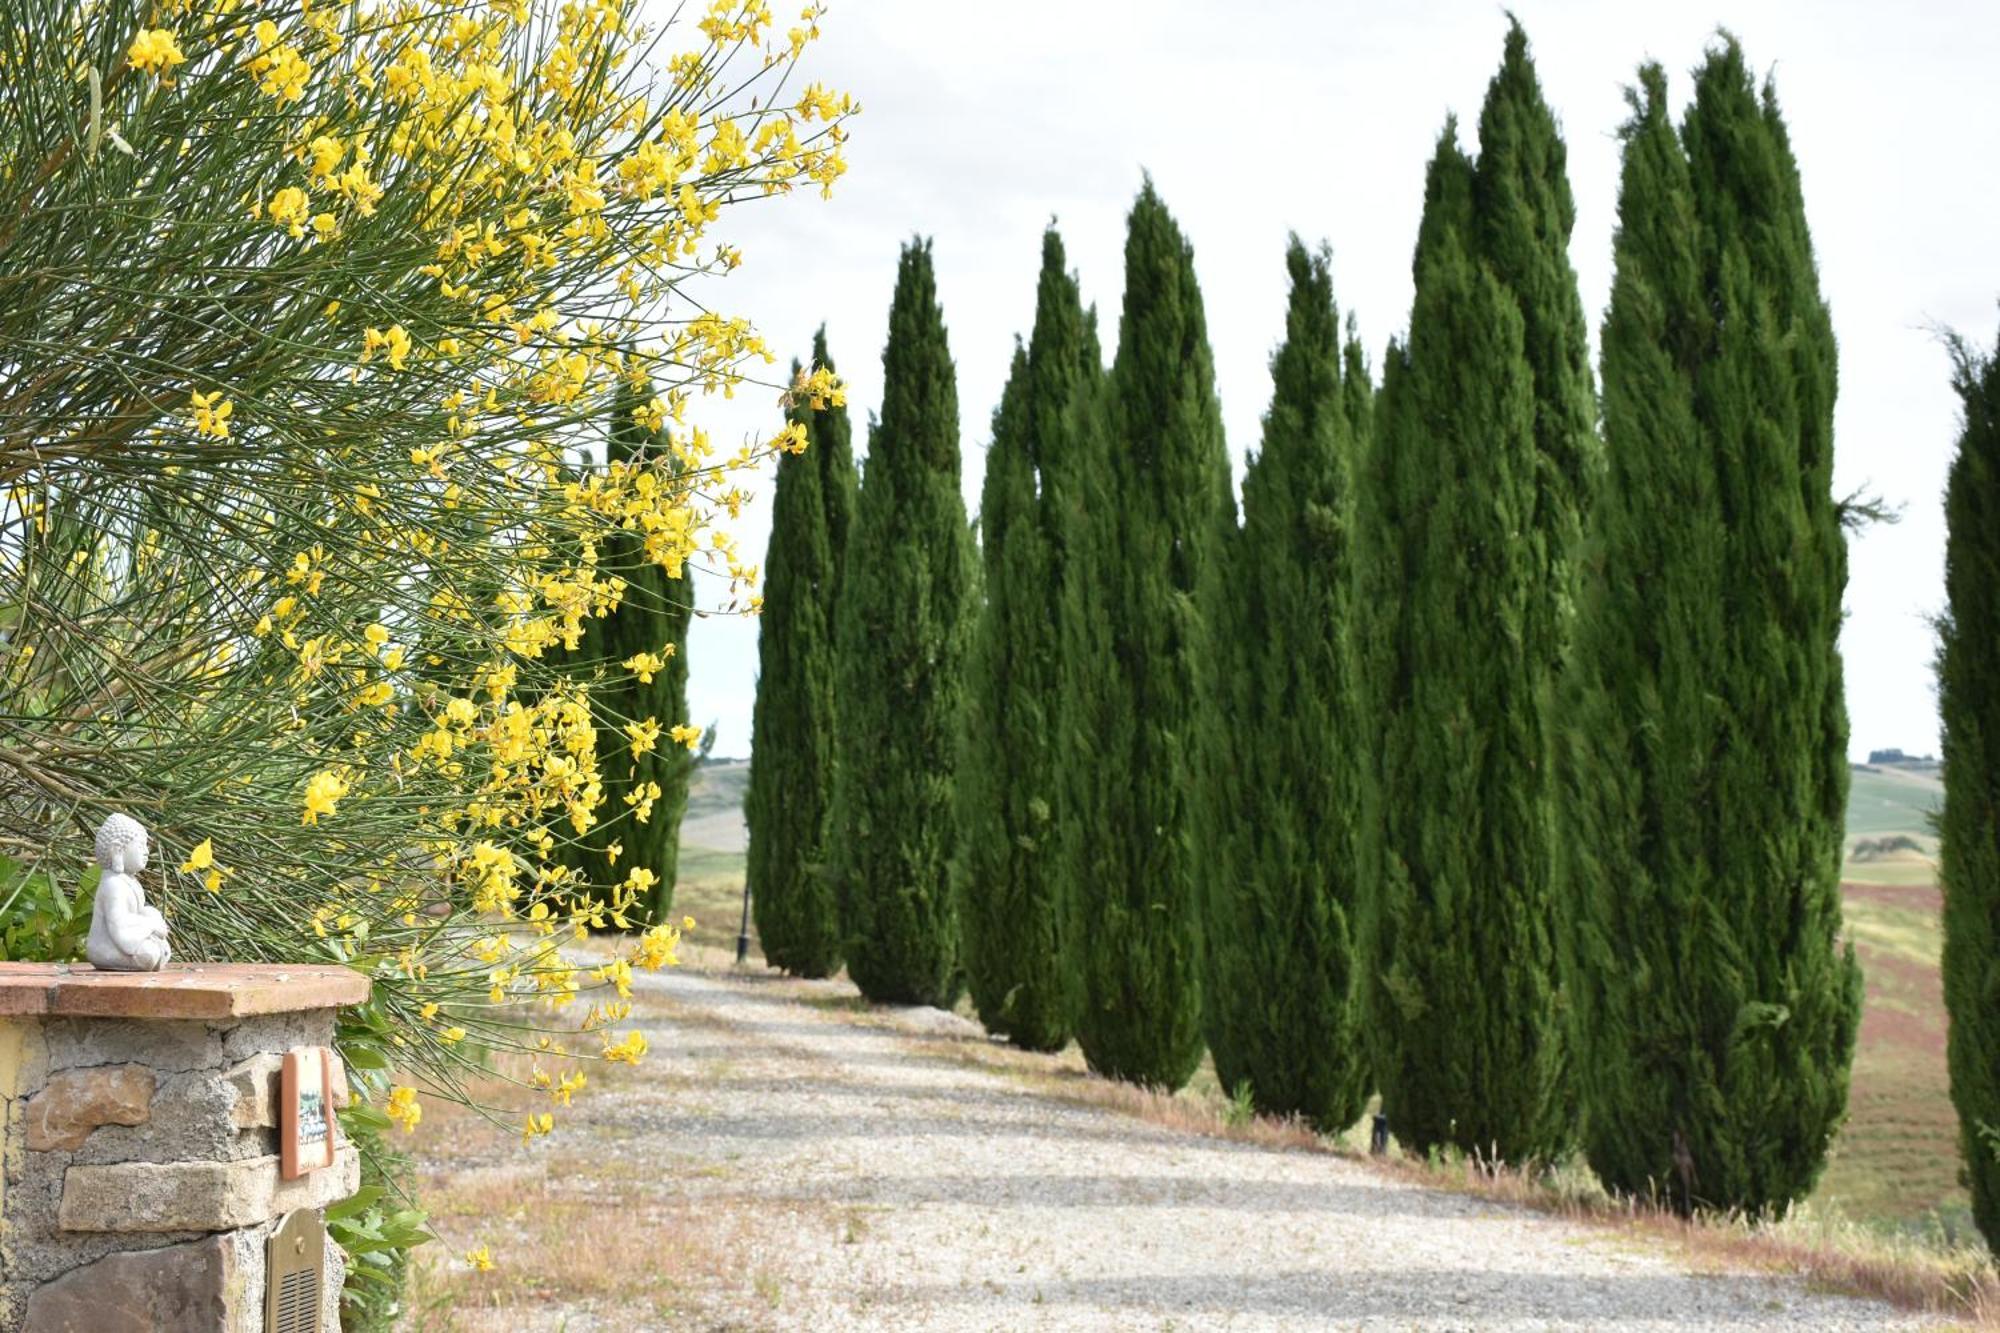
1491, 757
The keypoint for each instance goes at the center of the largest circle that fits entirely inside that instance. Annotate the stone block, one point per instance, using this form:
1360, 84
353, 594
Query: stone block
170, 1046
188, 1288
73, 1103
197, 1196
254, 1086
278, 1032
191, 1121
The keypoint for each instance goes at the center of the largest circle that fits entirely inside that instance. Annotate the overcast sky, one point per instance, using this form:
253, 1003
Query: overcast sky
983, 121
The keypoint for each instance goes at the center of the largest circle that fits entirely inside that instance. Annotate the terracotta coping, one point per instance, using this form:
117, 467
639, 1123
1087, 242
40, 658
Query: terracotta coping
183, 990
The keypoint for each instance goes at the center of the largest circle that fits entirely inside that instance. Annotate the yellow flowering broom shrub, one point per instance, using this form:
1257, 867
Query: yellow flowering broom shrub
304, 308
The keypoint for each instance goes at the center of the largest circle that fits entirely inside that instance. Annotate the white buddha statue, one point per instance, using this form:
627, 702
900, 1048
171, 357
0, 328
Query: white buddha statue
125, 934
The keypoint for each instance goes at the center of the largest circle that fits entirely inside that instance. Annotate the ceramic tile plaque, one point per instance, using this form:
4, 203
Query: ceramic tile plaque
305, 1111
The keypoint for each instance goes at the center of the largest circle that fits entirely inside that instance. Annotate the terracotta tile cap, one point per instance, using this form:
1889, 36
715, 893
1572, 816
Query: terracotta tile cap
183, 990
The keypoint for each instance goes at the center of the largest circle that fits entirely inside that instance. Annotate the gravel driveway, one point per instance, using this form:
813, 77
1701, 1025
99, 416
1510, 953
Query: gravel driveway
854, 1169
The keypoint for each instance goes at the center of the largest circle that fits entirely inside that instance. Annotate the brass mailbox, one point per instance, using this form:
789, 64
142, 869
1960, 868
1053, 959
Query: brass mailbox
294, 1262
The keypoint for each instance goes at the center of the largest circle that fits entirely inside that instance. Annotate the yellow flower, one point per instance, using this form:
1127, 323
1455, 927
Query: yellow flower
651, 414
644, 735
656, 948
280, 72
481, 1259
645, 665
211, 417
639, 881
688, 736
394, 340
535, 1125
290, 210
403, 1108
628, 1051
326, 154
619, 973
322, 793
203, 858
155, 50
376, 635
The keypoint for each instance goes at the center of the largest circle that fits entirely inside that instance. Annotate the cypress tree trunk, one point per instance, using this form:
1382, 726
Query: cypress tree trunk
1484, 459
1283, 997
1156, 539
1969, 860
1719, 1009
1016, 896
639, 779
904, 620
796, 717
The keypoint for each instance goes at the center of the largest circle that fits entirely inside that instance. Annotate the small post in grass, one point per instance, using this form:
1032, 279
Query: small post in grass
743, 931
1378, 1136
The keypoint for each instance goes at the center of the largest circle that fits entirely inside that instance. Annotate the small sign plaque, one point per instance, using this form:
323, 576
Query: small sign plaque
306, 1127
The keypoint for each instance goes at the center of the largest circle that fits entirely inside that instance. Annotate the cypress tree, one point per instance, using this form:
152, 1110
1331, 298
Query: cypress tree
1484, 461
904, 618
1471, 1054
1969, 843
1159, 518
1718, 1008
1016, 896
640, 777
1283, 998
796, 715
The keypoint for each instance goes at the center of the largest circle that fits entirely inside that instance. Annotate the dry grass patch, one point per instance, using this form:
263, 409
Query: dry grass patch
615, 1257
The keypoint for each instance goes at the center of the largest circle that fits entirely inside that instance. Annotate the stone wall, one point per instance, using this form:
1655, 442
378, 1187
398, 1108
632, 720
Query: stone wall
140, 1146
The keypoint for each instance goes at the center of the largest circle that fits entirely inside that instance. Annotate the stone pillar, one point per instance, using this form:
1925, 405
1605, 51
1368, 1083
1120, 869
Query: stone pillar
139, 1169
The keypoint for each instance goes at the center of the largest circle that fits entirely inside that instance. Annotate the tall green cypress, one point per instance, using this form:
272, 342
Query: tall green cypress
797, 714
652, 618
1016, 897
1718, 1007
1969, 845
904, 620
1158, 523
1484, 459
1283, 1003
1471, 1054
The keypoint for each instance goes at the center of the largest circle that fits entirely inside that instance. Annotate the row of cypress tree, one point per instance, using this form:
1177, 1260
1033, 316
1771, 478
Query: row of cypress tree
1494, 760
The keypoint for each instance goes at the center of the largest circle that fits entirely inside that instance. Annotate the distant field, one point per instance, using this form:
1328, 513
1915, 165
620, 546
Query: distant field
710, 884
1896, 1161
1885, 801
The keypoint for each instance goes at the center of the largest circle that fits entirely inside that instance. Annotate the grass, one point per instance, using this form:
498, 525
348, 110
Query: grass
1891, 800
1894, 1167
603, 1223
